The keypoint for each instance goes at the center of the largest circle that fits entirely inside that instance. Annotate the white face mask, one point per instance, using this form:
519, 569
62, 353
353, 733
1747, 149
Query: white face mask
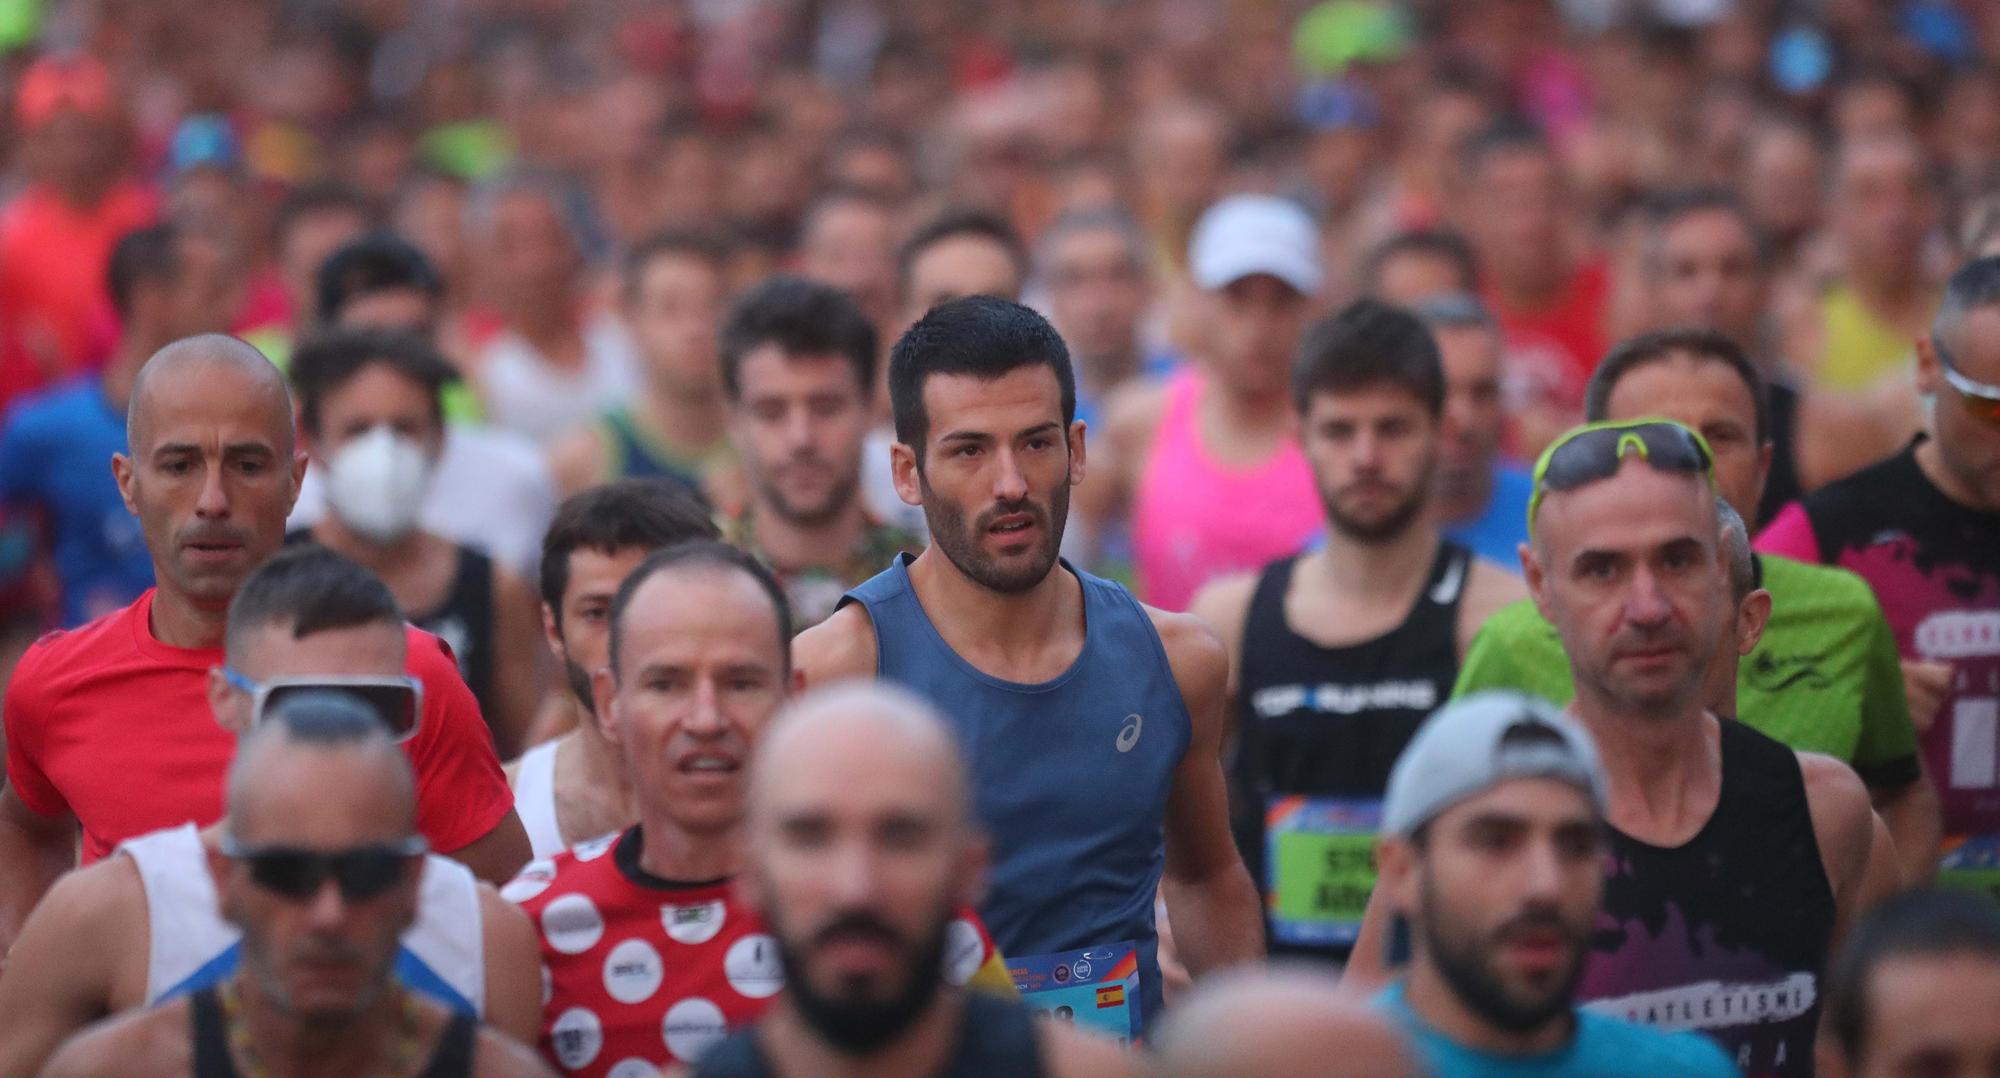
376, 484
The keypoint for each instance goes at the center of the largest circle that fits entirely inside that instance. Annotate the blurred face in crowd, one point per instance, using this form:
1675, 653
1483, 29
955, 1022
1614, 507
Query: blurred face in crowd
1705, 395
1469, 436
530, 251
1097, 291
1965, 427
850, 244
702, 666
1630, 571
1411, 275
1372, 451
875, 167
431, 215
1181, 154
406, 310
310, 240
965, 264
378, 395
1883, 205
1501, 891
580, 632
673, 308
862, 853
1253, 328
212, 473
1929, 1015
1781, 182
1707, 273
1514, 216
798, 423
996, 476
323, 958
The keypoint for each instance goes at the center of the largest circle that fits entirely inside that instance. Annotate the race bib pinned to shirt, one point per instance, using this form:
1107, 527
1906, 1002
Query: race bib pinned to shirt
1319, 860
1096, 988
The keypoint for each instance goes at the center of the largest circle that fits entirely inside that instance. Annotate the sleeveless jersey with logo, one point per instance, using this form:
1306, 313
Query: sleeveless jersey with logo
1318, 730
1727, 934
996, 1039
640, 973
1070, 777
191, 947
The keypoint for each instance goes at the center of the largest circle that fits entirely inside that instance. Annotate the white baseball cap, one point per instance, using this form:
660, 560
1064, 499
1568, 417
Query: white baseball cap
1247, 234
1471, 745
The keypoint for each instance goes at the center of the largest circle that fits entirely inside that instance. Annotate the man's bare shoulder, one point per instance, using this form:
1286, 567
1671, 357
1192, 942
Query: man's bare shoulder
841, 646
497, 1056
1223, 603
155, 1041
1489, 586
1193, 648
102, 903
1842, 816
1071, 1053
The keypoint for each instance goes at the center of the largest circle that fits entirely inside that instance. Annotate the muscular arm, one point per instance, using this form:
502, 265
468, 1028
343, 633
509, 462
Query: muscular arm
1223, 604
842, 646
1915, 821
1215, 909
1845, 826
34, 850
518, 662
142, 1042
513, 968
497, 855
62, 971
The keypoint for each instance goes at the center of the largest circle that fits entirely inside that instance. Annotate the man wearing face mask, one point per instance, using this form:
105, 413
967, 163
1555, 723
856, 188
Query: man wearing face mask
374, 422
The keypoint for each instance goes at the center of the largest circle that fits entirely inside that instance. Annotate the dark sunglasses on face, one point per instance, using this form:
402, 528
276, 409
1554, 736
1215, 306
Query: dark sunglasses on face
398, 701
1982, 400
1596, 451
361, 873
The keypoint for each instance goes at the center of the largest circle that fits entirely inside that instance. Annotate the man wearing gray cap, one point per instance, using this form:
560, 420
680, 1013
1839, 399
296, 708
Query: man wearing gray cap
1492, 851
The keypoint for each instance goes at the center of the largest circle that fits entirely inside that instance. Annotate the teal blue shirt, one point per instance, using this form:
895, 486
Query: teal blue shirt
1603, 1047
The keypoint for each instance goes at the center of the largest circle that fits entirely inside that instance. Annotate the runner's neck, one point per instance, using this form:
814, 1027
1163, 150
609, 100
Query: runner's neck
600, 781
1664, 775
1375, 572
1434, 1003
689, 424
1025, 622
287, 1046
790, 546
180, 622
671, 852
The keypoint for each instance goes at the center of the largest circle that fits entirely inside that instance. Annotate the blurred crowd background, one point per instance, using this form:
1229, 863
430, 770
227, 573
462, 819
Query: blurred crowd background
1521, 150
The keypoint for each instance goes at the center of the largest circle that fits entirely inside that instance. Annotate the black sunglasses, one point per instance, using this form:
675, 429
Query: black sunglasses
1597, 450
360, 873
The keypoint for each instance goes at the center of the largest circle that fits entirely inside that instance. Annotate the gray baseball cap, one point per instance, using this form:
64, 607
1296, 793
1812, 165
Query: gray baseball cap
1474, 744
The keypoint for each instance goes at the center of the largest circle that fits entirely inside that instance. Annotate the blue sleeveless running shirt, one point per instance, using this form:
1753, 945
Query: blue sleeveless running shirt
1070, 779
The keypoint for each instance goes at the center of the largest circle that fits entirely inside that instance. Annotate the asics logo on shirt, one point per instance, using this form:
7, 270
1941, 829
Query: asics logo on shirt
1128, 735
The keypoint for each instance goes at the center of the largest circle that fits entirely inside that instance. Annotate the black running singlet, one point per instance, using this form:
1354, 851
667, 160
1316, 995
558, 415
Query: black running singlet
1318, 730
996, 1039
451, 1059
1726, 934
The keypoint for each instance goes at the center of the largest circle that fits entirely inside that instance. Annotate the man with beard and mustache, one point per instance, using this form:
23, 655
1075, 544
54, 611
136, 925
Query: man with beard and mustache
1092, 724
573, 787
1735, 862
798, 370
651, 957
1492, 852
861, 846
1342, 651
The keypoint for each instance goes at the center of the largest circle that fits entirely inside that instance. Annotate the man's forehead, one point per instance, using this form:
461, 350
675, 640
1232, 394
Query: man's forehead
200, 396
1638, 505
1022, 397
702, 610
1544, 801
599, 568
1669, 387
274, 650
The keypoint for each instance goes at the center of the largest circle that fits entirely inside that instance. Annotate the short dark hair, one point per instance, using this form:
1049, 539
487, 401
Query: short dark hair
1649, 348
1973, 286
1441, 244
959, 222
693, 244
982, 336
1369, 343
323, 196
1918, 924
648, 513
377, 262
325, 363
148, 255
803, 318
702, 554
313, 590
1511, 134
1666, 210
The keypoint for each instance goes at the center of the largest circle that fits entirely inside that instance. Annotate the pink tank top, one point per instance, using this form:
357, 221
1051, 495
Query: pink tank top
1194, 519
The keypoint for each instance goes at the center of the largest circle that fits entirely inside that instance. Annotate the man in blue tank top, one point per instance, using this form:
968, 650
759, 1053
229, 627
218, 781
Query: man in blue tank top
1092, 724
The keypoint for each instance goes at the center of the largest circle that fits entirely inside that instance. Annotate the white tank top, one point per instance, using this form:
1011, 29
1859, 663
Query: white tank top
192, 947
525, 393
535, 800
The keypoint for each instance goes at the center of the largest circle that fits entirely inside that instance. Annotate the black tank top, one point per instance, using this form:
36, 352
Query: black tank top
451, 1059
1318, 729
996, 1039
1728, 933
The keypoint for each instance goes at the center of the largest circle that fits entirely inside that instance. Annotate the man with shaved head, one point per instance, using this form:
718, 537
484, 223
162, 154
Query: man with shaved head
1278, 1023
861, 847
319, 866
108, 725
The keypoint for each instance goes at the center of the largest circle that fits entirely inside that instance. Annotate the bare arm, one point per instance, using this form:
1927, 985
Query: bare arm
139, 1042
842, 646
1915, 821
518, 662
1072, 1053
1845, 827
513, 968
63, 967
1213, 904
1223, 604
1368, 967
494, 1056
497, 855
34, 850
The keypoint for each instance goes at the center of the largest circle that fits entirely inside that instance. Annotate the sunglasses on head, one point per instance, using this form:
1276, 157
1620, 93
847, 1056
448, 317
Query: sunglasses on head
1595, 451
360, 873
1981, 399
398, 701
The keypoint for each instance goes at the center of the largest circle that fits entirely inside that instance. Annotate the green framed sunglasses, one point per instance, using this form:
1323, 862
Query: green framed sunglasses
1595, 451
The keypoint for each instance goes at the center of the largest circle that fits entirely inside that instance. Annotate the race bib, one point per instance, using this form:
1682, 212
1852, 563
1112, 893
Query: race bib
1319, 867
1096, 988
1972, 864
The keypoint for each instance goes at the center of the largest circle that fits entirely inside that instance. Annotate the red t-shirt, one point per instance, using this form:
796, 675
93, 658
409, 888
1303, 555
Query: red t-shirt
1552, 350
108, 724
640, 973
55, 311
